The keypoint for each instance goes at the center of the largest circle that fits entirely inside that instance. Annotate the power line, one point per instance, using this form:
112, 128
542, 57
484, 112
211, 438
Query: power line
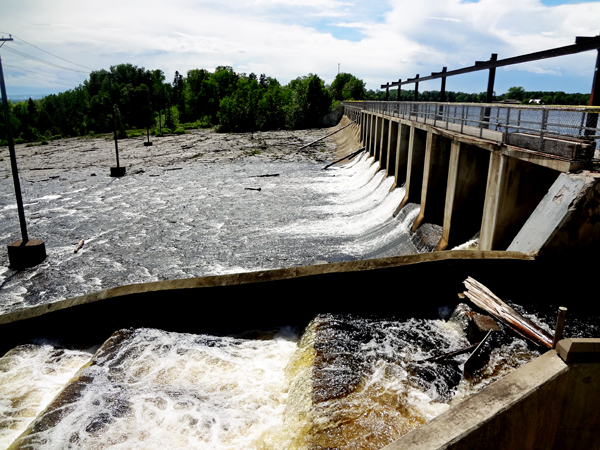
47, 81
43, 61
32, 71
51, 54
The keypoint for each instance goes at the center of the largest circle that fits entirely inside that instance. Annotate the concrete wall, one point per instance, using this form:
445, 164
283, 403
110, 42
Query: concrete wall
549, 403
262, 299
465, 194
566, 221
467, 185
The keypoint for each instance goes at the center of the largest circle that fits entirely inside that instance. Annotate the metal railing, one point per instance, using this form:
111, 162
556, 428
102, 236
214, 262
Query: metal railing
570, 132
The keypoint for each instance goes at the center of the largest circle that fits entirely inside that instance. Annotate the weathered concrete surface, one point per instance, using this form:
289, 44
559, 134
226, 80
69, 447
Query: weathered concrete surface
415, 166
580, 350
332, 118
496, 418
435, 180
511, 197
555, 145
255, 297
566, 221
465, 194
546, 404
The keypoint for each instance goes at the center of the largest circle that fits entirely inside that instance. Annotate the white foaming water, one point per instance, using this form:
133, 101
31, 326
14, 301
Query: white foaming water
361, 201
166, 390
150, 389
386, 231
30, 377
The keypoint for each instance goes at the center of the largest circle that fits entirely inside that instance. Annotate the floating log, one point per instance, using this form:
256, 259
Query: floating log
452, 354
266, 175
478, 358
324, 137
253, 189
79, 246
486, 300
350, 156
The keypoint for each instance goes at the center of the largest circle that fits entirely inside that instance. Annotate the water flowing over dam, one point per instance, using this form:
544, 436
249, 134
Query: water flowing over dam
198, 220
290, 358
348, 383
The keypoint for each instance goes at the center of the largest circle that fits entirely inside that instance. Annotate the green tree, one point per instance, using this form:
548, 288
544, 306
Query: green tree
516, 93
346, 86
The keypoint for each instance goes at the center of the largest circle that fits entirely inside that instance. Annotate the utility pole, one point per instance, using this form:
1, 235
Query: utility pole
338, 68
25, 252
114, 171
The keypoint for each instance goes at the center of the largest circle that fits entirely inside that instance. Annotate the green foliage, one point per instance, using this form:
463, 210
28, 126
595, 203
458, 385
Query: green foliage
348, 87
263, 104
136, 98
516, 93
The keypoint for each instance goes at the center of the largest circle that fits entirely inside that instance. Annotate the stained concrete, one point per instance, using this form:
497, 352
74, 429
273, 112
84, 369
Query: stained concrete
255, 298
546, 404
566, 220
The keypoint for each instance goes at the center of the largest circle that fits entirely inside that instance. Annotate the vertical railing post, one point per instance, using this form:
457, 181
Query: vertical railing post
506, 126
416, 98
399, 98
543, 129
489, 94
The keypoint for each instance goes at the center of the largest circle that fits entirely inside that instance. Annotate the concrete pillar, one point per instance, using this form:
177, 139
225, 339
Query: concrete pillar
390, 165
362, 128
514, 189
371, 133
401, 155
435, 180
377, 138
414, 167
383, 144
465, 194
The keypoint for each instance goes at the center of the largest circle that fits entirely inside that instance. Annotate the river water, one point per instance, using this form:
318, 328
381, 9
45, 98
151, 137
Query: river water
345, 382
195, 219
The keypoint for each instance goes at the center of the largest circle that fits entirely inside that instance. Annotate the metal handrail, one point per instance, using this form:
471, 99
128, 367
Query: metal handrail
506, 123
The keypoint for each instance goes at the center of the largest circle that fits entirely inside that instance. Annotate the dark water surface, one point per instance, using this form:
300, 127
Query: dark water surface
193, 219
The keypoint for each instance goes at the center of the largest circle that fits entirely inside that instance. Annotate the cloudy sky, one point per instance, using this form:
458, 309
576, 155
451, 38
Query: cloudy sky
375, 41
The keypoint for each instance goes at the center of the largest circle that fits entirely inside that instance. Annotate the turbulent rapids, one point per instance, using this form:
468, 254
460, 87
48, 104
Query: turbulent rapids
346, 383
339, 382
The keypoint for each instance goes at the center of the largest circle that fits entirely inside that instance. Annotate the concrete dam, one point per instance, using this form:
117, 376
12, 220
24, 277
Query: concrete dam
322, 356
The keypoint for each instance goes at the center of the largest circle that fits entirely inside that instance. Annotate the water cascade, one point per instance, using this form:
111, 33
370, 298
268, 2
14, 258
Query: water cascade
347, 383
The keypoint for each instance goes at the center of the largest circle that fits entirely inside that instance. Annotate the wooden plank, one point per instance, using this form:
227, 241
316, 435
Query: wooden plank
486, 300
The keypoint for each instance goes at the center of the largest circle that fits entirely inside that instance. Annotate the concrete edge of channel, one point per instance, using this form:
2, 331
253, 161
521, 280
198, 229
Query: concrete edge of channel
548, 403
262, 276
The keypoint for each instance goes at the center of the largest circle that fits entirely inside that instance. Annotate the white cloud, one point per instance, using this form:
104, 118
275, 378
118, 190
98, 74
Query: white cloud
290, 38
450, 19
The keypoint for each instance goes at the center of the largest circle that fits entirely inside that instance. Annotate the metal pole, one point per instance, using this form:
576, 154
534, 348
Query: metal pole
417, 89
592, 118
13, 158
387, 91
491, 79
114, 118
443, 88
560, 323
399, 89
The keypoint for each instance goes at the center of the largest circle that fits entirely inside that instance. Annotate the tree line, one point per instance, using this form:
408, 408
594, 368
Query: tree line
516, 93
128, 97
131, 99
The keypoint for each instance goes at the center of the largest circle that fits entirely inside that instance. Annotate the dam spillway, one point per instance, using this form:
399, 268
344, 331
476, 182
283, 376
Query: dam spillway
372, 183
194, 217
